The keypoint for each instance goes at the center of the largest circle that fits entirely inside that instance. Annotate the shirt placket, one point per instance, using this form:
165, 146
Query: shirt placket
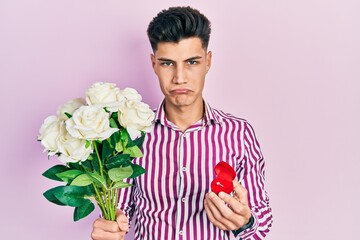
182, 174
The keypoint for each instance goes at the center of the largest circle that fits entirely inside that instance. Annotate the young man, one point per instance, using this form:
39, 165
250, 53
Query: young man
173, 199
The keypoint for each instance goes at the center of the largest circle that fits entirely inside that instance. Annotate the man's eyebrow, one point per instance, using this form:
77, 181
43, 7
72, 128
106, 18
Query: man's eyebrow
186, 60
193, 58
165, 59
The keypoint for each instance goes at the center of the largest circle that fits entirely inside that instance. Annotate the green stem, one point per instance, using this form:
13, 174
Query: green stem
98, 197
105, 203
105, 196
116, 200
99, 159
110, 205
108, 202
100, 201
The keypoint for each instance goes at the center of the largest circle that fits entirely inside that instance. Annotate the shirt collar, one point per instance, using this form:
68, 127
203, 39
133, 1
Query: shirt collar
210, 115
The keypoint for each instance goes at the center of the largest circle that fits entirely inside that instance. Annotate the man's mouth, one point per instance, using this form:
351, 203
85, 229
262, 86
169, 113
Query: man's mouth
180, 91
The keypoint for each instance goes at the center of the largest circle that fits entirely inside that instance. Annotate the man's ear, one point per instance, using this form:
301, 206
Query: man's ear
152, 58
208, 61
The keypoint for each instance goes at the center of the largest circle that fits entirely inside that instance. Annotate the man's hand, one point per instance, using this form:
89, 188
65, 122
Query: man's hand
110, 230
232, 216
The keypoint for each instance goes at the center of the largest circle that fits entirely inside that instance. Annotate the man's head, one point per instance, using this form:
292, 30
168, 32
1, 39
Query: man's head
179, 38
178, 23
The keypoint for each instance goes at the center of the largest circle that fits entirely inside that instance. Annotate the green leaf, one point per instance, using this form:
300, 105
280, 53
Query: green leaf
119, 146
72, 196
95, 163
49, 195
84, 210
137, 170
89, 190
113, 123
118, 174
115, 137
69, 175
68, 114
127, 163
114, 116
116, 142
121, 185
106, 150
124, 136
51, 172
137, 142
87, 164
81, 180
134, 151
116, 161
87, 143
97, 179
74, 165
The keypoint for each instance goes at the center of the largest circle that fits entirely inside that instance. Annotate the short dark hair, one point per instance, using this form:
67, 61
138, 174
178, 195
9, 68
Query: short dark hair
177, 23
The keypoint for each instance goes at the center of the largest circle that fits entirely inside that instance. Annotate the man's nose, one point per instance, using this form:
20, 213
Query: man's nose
179, 75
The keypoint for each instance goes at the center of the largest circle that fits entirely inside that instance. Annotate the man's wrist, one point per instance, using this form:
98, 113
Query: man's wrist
246, 226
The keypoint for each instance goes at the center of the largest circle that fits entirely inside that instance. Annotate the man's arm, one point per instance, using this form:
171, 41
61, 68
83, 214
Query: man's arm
252, 177
247, 213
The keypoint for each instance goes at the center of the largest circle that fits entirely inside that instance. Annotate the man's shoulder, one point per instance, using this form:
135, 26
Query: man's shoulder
229, 120
228, 117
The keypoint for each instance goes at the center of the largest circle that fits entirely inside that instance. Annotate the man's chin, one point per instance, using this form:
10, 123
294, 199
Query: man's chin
179, 102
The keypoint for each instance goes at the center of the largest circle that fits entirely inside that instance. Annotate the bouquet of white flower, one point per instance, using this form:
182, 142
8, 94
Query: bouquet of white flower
96, 139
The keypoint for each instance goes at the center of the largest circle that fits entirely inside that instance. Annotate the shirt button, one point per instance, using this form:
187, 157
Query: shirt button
184, 169
183, 199
181, 232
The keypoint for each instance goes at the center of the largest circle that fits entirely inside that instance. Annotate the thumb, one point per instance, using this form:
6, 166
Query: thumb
122, 221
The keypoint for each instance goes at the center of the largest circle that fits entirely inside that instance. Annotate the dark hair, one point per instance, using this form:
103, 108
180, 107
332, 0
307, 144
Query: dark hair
177, 23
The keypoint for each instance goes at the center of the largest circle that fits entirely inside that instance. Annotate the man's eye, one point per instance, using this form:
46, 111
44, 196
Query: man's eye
192, 62
166, 64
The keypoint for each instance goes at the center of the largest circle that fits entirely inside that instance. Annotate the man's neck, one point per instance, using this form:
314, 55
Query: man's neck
184, 117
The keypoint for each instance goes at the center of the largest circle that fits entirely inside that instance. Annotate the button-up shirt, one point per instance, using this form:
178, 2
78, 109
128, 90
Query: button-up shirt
168, 200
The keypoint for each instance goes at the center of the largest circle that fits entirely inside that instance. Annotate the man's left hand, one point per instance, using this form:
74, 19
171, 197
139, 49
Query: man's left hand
228, 212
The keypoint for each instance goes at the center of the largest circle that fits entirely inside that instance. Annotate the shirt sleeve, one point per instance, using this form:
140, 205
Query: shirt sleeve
126, 199
251, 174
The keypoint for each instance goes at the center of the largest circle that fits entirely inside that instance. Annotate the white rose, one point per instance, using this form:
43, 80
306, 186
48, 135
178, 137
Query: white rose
127, 94
69, 107
49, 134
130, 94
136, 116
73, 149
104, 95
91, 123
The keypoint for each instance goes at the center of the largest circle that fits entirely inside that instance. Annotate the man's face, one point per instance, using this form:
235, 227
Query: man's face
181, 69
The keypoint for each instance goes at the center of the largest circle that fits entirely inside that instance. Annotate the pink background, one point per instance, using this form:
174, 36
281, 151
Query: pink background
290, 67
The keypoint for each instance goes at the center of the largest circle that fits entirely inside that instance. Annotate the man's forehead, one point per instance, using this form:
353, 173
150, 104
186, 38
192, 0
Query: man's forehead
184, 49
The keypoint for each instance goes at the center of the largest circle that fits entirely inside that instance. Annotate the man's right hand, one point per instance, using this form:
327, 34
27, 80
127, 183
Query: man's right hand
110, 230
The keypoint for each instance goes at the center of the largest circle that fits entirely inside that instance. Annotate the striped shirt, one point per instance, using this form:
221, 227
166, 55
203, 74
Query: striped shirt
168, 200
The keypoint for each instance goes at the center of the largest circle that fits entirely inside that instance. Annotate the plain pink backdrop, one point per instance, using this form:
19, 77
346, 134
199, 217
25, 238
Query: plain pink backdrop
292, 68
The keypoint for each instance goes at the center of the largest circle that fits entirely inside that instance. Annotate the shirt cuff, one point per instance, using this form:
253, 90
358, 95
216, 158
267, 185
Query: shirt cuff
248, 229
